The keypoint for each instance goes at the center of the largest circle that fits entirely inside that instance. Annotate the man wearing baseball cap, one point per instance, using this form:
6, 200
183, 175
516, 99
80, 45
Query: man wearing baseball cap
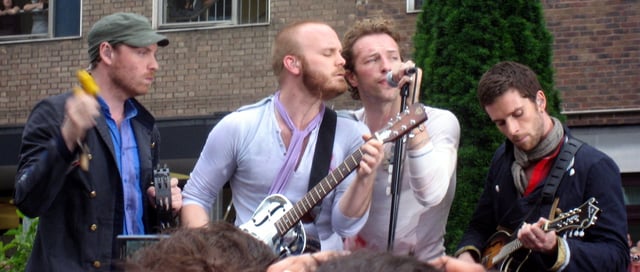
87, 157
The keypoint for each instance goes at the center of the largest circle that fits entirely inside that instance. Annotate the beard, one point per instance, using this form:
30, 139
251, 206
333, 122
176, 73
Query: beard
122, 76
320, 85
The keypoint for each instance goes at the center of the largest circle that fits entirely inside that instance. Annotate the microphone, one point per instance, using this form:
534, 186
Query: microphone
407, 72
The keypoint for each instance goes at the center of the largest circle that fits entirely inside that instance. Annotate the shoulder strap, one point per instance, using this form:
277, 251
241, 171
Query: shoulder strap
565, 157
324, 147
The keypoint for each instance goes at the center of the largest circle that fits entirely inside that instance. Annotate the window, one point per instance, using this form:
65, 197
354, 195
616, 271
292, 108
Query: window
414, 6
26, 20
208, 13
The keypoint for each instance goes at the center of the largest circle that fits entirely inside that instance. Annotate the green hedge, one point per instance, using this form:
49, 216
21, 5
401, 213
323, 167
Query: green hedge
455, 43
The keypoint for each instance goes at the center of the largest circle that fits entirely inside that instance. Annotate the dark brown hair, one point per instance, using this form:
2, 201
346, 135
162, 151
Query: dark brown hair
369, 261
504, 76
219, 247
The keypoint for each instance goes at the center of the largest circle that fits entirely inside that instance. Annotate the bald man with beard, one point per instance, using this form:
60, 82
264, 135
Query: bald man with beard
268, 147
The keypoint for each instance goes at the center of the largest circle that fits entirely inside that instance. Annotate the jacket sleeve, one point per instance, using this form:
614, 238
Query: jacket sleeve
480, 228
483, 223
604, 243
44, 160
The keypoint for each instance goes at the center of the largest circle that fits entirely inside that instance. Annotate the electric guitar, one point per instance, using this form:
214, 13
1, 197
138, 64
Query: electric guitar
500, 249
276, 221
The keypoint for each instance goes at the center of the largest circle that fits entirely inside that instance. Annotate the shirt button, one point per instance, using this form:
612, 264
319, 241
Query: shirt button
153, 144
93, 194
93, 227
96, 264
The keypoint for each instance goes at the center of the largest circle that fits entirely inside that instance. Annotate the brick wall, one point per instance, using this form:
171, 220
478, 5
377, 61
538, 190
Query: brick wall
597, 58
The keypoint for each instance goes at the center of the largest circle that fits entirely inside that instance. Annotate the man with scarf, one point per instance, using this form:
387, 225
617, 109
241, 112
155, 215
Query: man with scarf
512, 199
268, 148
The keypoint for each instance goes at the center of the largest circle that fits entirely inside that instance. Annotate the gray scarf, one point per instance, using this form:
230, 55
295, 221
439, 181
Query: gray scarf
524, 159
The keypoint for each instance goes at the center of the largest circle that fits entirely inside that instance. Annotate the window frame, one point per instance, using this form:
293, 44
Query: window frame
411, 7
50, 35
160, 13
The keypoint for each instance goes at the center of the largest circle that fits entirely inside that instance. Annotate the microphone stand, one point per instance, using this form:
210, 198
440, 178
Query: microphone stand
398, 154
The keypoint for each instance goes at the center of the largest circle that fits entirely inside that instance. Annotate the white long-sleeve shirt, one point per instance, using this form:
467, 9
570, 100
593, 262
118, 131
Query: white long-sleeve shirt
427, 189
246, 149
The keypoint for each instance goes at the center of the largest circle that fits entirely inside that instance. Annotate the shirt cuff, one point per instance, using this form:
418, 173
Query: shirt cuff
475, 252
563, 257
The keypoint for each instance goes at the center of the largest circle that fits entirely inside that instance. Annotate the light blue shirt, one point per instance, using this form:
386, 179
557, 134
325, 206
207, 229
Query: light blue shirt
246, 149
126, 152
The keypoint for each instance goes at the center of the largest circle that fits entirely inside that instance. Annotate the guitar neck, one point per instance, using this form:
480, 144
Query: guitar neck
318, 192
404, 122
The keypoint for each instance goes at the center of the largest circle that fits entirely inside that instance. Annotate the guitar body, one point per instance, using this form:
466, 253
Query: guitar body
262, 226
492, 259
516, 262
495, 243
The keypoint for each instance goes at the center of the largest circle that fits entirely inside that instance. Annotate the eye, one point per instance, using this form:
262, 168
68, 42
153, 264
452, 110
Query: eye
518, 113
372, 59
142, 51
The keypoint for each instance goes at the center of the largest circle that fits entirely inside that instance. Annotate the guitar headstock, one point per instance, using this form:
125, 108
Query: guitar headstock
404, 122
578, 218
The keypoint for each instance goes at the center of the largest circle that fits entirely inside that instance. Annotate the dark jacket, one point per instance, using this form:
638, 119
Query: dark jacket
593, 174
81, 213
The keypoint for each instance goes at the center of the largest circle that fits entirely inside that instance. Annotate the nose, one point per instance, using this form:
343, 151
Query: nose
387, 64
153, 65
341, 60
512, 127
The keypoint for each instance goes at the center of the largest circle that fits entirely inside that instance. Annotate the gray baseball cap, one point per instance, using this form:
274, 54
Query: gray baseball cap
128, 28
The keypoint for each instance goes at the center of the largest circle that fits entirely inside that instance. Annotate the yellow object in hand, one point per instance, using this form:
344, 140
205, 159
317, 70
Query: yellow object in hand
88, 84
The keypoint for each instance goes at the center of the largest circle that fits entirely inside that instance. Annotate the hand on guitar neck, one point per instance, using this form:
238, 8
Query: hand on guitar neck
537, 237
534, 237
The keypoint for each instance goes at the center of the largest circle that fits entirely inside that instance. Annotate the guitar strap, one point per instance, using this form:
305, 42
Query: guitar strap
324, 148
557, 172
565, 157
321, 157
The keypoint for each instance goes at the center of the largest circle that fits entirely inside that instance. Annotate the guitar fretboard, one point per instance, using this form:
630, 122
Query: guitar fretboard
318, 192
